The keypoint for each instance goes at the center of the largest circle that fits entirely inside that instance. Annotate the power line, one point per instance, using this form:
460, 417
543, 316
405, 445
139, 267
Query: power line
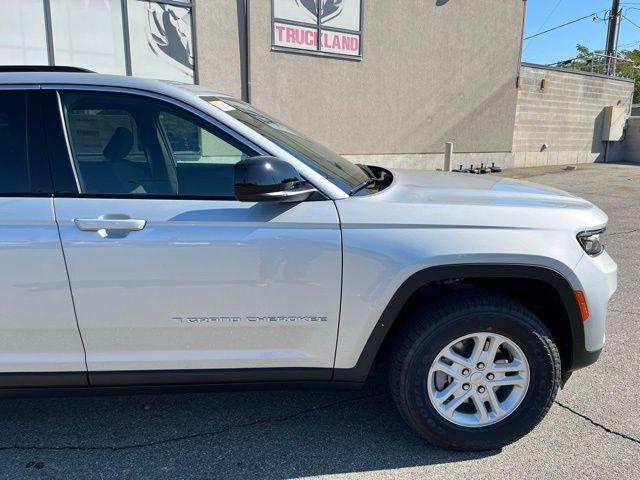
630, 21
625, 45
553, 10
593, 15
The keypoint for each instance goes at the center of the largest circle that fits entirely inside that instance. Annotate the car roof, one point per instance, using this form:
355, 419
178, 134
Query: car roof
97, 79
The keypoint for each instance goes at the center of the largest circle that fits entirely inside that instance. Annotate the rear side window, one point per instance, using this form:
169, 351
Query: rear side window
14, 159
91, 130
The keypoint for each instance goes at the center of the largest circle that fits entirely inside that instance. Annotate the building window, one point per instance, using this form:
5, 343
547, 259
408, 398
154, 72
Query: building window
319, 27
161, 40
23, 40
88, 34
147, 38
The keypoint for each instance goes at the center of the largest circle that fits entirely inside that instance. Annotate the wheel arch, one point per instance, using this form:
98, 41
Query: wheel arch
575, 355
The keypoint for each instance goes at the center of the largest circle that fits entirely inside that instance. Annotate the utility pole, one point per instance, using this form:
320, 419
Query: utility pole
612, 33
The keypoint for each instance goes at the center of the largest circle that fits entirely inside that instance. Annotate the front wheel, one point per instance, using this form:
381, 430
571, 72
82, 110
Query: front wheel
474, 372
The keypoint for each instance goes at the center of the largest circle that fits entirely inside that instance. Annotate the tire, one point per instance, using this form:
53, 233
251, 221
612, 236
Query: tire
429, 330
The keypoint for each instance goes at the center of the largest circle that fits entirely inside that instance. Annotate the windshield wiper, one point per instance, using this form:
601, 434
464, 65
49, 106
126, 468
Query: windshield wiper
367, 183
366, 170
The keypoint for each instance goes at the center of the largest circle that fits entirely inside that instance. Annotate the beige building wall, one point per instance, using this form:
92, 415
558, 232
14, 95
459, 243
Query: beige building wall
219, 26
565, 110
432, 71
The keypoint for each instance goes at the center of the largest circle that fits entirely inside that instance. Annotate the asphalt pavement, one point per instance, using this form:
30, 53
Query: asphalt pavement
592, 431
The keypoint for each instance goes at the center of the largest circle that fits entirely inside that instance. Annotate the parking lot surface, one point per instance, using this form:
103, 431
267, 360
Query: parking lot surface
593, 429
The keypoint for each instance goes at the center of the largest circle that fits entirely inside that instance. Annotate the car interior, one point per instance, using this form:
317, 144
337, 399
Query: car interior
124, 145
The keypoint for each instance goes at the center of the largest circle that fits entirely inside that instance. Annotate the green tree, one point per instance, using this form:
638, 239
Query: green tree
628, 66
634, 71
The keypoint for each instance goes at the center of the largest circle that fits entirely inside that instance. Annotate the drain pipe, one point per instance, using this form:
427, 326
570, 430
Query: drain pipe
242, 11
247, 43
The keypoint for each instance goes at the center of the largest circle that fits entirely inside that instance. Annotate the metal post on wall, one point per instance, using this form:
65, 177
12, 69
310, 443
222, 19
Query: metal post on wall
242, 12
247, 33
194, 43
49, 32
126, 38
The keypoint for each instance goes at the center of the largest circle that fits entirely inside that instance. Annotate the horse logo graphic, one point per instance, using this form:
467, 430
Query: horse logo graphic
325, 9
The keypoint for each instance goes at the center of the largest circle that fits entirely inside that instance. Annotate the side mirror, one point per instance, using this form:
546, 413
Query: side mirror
269, 179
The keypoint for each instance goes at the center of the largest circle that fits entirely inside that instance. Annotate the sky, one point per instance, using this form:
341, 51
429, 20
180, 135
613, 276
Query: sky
561, 44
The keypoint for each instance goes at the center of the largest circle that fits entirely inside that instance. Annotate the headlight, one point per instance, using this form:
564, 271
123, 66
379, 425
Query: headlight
591, 241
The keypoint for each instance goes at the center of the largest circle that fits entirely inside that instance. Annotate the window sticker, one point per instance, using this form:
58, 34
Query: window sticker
225, 107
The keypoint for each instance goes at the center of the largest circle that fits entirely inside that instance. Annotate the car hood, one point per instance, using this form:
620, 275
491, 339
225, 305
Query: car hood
470, 199
429, 187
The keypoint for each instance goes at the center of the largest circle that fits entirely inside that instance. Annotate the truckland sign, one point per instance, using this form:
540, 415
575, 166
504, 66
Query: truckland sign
325, 27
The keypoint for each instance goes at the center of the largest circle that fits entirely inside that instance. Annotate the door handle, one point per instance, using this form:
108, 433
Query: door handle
114, 224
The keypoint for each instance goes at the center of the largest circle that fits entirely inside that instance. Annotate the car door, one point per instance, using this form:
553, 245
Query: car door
40, 343
173, 279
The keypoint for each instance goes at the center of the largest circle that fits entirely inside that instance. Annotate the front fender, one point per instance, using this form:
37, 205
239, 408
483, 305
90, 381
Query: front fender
558, 281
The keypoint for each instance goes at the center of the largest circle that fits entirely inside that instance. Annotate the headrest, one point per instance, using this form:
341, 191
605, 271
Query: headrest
120, 144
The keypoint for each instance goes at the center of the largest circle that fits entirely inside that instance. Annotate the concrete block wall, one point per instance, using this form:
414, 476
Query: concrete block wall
631, 144
565, 110
566, 113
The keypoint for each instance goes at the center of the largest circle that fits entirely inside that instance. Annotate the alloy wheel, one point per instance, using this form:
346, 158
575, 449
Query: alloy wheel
478, 379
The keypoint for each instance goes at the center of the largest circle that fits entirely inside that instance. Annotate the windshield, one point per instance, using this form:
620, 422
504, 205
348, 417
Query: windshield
330, 165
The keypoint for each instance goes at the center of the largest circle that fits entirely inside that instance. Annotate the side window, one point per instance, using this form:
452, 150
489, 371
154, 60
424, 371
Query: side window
204, 158
14, 167
189, 143
129, 145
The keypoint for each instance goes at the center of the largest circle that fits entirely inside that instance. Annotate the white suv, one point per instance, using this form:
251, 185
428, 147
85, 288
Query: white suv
156, 234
